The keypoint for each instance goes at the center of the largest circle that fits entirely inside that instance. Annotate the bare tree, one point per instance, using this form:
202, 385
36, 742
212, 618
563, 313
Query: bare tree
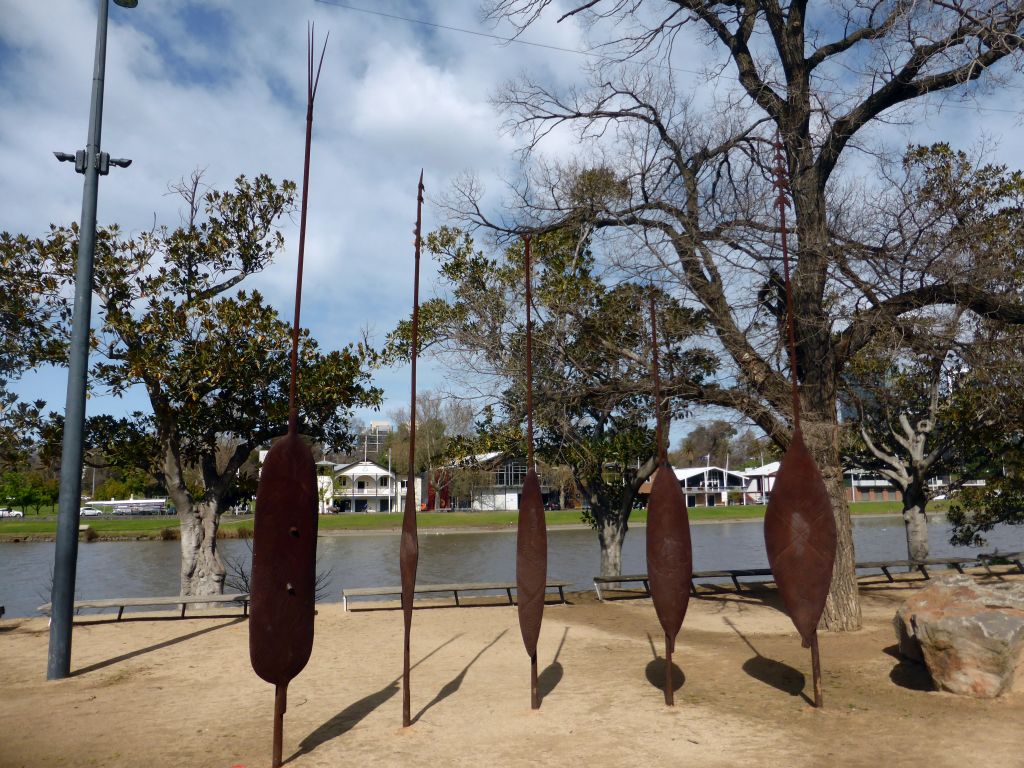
693, 187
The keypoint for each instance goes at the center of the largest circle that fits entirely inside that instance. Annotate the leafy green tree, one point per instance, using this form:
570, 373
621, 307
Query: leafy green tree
592, 385
32, 315
213, 360
16, 489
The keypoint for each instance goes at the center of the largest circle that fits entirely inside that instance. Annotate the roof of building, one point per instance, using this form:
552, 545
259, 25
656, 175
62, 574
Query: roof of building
767, 469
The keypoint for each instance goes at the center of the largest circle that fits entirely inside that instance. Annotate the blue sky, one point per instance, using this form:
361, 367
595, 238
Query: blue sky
220, 85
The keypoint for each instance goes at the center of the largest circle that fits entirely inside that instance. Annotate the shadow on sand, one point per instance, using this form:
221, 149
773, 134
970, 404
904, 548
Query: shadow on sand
655, 670
908, 674
157, 647
456, 682
551, 675
771, 672
354, 713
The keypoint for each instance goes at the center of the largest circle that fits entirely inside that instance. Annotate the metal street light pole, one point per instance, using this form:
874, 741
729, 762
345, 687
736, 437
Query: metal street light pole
92, 163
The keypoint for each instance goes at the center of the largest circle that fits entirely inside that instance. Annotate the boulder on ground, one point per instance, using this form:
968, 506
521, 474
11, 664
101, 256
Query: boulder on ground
969, 635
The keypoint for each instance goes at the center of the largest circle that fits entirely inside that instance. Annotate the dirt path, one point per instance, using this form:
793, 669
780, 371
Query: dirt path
181, 693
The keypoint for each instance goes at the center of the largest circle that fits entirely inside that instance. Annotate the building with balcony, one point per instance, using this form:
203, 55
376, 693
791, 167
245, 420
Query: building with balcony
361, 486
707, 486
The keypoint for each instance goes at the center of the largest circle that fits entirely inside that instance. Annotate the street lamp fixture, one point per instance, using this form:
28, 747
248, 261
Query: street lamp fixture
92, 163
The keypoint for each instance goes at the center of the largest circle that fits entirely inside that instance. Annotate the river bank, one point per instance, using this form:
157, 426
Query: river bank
187, 690
166, 528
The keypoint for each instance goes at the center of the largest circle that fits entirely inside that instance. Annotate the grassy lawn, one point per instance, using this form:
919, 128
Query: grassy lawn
231, 526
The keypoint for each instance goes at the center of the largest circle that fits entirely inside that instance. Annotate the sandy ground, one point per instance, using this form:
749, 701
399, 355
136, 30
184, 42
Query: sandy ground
170, 692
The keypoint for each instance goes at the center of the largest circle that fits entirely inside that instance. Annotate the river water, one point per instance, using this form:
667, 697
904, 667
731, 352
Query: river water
150, 568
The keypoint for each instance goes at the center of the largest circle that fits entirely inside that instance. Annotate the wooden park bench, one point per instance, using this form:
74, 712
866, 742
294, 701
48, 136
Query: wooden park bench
919, 565
184, 601
600, 581
730, 573
455, 589
735, 573
990, 558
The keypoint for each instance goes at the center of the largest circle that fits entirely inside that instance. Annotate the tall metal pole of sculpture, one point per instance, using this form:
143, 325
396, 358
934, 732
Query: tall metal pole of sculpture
669, 554
799, 529
284, 539
532, 534
409, 550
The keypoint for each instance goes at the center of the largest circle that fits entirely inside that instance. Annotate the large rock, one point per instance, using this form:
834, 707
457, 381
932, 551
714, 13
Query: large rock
970, 636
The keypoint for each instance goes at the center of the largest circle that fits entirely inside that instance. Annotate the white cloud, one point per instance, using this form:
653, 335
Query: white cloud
230, 98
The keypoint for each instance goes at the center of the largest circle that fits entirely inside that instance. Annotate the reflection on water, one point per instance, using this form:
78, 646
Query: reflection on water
145, 568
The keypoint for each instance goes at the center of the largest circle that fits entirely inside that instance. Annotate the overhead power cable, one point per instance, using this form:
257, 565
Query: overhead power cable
591, 54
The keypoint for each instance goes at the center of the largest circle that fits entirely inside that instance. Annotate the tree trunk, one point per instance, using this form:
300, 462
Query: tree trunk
202, 570
611, 532
915, 522
842, 608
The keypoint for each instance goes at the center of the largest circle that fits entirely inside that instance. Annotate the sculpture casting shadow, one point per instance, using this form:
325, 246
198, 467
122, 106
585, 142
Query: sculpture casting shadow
551, 676
157, 647
655, 670
912, 675
456, 682
354, 713
771, 672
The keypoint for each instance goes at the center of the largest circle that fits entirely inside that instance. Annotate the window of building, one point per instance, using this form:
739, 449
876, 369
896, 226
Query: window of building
511, 473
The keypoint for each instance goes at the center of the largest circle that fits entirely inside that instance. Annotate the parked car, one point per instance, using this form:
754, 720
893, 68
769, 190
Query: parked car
8, 512
90, 512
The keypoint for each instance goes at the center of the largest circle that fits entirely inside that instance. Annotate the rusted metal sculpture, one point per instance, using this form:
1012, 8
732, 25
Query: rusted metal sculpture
669, 553
799, 529
532, 534
284, 539
409, 549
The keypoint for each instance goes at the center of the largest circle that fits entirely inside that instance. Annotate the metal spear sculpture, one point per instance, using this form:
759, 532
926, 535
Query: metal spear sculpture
409, 550
284, 538
532, 536
669, 554
799, 529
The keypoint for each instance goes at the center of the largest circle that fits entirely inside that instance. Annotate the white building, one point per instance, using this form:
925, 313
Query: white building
760, 481
707, 486
362, 486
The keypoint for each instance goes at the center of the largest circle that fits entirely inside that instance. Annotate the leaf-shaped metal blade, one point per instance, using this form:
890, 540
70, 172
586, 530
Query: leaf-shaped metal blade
531, 561
284, 562
800, 537
669, 553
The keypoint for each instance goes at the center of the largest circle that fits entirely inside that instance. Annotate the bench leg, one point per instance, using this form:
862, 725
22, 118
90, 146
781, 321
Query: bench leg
597, 589
183, 610
1020, 567
888, 575
959, 568
736, 581
245, 607
561, 594
456, 593
509, 590
120, 610
924, 571
344, 603
647, 588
